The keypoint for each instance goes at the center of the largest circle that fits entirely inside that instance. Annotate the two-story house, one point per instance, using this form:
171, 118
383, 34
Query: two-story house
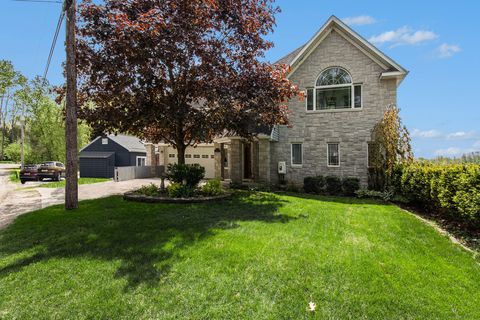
348, 83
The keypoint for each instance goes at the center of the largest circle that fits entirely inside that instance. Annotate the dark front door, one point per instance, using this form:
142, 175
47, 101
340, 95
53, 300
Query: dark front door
247, 161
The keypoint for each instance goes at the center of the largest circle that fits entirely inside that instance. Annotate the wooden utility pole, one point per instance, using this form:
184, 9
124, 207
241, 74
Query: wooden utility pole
71, 186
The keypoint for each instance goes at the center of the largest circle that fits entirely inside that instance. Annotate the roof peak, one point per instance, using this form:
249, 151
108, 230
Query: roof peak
299, 55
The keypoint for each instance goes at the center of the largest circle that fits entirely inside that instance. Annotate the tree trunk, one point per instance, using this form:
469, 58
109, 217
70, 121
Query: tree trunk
71, 186
3, 141
181, 153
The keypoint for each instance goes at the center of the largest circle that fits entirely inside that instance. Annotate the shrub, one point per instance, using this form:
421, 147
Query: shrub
212, 188
178, 190
333, 185
364, 193
14, 176
314, 184
186, 174
149, 190
350, 185
452, 188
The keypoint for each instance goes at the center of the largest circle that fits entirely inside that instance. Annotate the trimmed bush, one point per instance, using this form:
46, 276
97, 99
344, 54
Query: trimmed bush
314, 184
178, 190
212, 188
149, 190
452, 188
373, 194
333, 185
350, 185
186, 174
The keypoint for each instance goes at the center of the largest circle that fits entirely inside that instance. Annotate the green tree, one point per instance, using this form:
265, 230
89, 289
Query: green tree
10, 81
391, 145
46, 125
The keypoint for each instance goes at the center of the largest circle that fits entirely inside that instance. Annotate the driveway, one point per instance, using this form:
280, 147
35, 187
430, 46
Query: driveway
18, 199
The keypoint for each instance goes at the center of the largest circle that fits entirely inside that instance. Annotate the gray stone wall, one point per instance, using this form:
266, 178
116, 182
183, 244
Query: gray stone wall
236, 162
350, 128
264, 161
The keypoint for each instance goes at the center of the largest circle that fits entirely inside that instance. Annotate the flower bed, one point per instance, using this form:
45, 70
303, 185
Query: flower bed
164, 198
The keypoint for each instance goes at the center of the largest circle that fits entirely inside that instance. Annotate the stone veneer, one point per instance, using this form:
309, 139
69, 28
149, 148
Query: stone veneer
350, 128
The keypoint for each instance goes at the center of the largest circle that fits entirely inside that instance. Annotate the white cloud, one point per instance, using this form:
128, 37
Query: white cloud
359, 20
447, 50
462, 135
434, 134
450, 152
403, 36
428, 134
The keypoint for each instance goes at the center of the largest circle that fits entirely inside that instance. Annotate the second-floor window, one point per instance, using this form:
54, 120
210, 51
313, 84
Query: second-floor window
334, 89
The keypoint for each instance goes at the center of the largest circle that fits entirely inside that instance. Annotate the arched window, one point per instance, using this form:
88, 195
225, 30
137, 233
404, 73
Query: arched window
334, 89
333, 76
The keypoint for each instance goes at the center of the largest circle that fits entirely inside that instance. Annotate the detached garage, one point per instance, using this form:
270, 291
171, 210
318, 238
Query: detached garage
99, 158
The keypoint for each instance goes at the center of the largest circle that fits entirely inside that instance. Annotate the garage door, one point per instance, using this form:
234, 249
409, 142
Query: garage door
203, 155
95, 168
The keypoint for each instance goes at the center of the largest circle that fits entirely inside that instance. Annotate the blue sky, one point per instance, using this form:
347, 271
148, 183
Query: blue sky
436, 41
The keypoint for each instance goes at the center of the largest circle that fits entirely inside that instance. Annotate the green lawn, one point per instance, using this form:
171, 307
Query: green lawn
14, 175
61, 184
257, 256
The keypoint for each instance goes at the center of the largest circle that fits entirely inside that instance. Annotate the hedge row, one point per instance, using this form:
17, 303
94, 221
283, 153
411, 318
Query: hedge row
454, 188
331, 185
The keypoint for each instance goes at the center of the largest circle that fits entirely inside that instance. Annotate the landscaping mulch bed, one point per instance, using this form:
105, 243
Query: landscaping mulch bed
131, 196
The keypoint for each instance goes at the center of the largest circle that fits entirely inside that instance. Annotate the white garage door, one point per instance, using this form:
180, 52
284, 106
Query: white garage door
203, 155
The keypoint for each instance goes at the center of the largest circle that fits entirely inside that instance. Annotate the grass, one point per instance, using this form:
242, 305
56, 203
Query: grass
61, 184
14, 175
257, 256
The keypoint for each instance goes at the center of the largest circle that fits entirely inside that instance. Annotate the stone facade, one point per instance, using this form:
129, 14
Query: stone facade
335, 46
351, 128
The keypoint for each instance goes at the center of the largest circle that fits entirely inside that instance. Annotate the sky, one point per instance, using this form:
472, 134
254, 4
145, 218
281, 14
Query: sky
437, 41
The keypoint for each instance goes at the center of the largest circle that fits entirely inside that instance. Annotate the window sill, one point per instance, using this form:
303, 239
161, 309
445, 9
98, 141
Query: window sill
296, 166
330, 166
335, 110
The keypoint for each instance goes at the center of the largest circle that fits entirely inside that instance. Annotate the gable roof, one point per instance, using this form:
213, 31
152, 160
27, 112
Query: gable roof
131, 143
299, 55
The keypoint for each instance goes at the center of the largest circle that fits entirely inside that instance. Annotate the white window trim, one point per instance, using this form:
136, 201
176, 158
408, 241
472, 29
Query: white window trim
104, 141
140, 157
295, 165
361, 95
333, 86
328, 155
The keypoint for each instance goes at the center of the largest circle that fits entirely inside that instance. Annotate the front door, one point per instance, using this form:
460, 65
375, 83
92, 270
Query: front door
247, 161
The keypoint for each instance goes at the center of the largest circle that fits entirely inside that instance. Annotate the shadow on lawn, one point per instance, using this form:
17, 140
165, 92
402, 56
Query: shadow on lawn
145, 238
336, 199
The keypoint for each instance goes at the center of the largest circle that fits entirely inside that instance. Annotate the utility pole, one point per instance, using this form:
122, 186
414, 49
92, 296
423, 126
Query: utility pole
22, 128
71, 186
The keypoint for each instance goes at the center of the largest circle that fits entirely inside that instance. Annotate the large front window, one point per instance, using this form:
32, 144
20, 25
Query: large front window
334, 89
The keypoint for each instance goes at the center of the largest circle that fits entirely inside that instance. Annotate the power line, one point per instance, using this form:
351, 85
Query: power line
54, 42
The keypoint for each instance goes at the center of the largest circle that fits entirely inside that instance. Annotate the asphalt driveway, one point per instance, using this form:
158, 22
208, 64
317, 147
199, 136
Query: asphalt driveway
16, 199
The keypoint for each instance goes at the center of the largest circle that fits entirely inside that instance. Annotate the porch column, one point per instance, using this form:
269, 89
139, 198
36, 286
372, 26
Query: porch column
264, 160
236, 161
151, 160
218, 160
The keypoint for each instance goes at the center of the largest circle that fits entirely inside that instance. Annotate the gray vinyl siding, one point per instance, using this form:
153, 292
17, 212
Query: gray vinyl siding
104, 167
